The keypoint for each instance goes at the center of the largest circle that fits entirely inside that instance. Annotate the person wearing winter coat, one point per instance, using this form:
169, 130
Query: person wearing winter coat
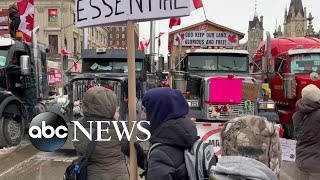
306, 122
250, 149
107, 162
165, 109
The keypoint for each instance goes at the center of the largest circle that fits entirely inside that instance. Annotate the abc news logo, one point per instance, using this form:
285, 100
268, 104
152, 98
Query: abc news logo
49, 131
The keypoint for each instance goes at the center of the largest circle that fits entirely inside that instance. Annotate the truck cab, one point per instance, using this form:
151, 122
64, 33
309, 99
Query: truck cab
202, 67
108, 68
296, 64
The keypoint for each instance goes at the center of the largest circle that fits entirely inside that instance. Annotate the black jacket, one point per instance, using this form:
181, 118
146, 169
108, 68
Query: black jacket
307, 125
166, 162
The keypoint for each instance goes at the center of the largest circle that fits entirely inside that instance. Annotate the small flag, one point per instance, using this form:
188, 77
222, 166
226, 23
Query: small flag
174, 22
26, 12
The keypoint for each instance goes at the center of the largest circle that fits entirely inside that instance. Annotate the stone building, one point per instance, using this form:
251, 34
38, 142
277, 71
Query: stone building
295, 21
255, 34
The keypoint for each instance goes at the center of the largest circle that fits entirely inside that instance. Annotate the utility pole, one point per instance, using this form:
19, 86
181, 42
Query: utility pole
152, 43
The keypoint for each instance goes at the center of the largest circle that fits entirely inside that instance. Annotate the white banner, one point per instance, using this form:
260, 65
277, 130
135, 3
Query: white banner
102, 12
209, 38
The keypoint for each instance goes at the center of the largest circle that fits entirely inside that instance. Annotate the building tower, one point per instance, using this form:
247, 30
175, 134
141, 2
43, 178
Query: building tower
310, 29
255, 32
295, 20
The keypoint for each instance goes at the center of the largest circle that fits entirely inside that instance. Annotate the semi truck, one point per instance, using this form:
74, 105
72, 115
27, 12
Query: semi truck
288, 64
218, 87
16, 59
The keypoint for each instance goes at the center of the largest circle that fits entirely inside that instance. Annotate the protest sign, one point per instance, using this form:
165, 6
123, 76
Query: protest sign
4, 22
209, 38
251, 91
288, 150
102, 12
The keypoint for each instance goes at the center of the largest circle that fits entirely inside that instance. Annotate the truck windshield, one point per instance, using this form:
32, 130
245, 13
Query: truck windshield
222, 62
3, 57
305, 63
103, 65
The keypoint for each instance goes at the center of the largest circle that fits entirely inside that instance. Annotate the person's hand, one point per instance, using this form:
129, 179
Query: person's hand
141, 156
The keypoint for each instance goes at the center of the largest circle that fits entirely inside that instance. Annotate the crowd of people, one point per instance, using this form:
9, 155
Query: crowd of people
250, 145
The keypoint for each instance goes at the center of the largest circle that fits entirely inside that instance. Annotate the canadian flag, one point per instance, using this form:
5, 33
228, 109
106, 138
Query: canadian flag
26, 12
144, 44
160, 34
65, 52
194, 4
76, 68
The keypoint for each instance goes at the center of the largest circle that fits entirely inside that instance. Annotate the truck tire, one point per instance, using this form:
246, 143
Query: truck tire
11, 131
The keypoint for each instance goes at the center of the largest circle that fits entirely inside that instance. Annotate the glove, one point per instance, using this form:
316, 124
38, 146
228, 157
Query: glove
141, 156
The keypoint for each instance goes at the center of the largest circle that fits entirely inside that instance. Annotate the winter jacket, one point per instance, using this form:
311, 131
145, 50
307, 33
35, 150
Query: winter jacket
307, 125
166, 162
165, 110
238, 167
107, 161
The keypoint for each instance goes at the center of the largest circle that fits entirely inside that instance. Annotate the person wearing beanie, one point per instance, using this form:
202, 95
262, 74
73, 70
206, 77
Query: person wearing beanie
107, 162
165, 109
306, 122
250, 149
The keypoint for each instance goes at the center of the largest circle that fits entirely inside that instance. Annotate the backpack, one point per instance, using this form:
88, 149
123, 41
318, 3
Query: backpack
198, 159
78, 168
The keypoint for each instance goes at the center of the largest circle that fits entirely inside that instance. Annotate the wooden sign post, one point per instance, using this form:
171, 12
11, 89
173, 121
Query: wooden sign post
132, 97
101, 13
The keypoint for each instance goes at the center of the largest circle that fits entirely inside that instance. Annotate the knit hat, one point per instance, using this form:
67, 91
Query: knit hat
252, 137
312, 93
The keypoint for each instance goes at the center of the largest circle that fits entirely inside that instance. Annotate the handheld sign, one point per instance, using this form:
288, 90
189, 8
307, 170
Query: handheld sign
101, 12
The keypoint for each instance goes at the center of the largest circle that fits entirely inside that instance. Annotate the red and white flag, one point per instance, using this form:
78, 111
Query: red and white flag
26, 12
194, 4
160, 34
174, 22
76, 68
65, 52
144, 44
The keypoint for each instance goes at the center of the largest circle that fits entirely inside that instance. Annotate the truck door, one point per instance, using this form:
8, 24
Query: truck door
276, 82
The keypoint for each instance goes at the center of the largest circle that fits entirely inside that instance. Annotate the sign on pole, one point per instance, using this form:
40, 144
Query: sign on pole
91, 13
102, 12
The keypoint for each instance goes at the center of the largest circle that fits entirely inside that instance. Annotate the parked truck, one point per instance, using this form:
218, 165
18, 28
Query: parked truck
13, 114
217, 86
288, 65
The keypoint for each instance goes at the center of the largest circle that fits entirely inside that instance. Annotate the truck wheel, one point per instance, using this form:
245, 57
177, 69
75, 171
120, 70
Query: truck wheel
11, 131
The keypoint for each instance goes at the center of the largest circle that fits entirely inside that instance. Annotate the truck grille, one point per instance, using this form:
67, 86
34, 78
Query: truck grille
237, 110
77, 89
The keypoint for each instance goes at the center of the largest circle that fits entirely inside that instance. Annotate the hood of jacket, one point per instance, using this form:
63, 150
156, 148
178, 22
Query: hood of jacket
179, 133
99, 102
307, 106
164, 104
233, 167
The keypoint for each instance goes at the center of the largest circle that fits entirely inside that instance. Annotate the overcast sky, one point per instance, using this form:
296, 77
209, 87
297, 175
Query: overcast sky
234, 14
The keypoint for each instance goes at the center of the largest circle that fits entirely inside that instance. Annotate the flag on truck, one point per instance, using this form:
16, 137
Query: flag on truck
194, 4
26, 12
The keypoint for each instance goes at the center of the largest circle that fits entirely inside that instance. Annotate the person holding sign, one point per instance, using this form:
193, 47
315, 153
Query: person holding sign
307, 125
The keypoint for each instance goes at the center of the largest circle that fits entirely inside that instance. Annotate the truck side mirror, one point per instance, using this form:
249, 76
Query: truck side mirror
25, 65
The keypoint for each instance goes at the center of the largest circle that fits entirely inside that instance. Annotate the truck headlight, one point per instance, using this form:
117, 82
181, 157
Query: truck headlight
266, 106
193, 104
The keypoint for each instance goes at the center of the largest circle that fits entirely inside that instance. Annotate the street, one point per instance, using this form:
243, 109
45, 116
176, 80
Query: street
24, 162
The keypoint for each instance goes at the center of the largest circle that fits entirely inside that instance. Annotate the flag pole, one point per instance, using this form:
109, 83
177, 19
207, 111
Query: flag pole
132, 99
204, 12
